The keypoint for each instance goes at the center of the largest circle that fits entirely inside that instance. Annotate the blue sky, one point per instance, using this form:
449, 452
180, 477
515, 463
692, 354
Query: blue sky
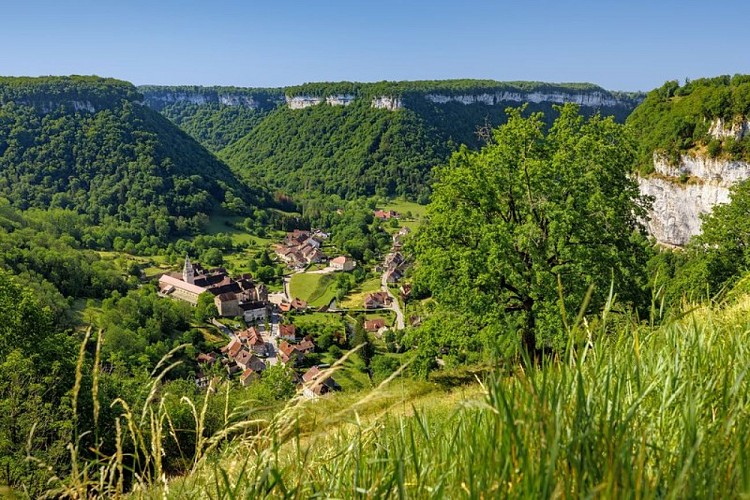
625, 45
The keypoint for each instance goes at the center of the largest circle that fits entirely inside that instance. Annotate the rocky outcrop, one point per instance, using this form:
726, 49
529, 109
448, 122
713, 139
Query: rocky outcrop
722, 130
590, 99
340, 100
305, 101
683, 193
386, 102
49, 106
159, 97
302, 101
246, 101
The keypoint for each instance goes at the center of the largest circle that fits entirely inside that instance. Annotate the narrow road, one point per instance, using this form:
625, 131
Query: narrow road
395, 307
270, 338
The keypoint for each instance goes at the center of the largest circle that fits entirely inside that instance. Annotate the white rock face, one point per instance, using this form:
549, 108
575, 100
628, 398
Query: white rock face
386, 102
721, 130
340, 100
302, 101
593, 99
200, 98
47, 107
238, 100
677, 207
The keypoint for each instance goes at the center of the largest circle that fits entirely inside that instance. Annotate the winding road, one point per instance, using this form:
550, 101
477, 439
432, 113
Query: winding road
395, 307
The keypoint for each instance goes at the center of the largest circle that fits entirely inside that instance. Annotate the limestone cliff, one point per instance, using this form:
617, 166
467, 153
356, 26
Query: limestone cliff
683, 192
159, 97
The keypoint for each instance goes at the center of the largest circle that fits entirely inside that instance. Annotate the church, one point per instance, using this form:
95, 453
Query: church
238, 296
183, 289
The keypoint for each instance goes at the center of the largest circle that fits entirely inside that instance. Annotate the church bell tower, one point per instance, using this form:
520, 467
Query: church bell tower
188, 273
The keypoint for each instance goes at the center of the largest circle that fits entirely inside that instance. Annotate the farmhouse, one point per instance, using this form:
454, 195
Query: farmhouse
377, 300
343, 263
385, 214
315, 383
288, 332
373, 325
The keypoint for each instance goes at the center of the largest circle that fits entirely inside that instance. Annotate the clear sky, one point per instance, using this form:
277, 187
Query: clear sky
620, 45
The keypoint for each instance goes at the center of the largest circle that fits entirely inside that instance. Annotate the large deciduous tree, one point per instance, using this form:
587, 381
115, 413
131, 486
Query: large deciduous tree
527, 224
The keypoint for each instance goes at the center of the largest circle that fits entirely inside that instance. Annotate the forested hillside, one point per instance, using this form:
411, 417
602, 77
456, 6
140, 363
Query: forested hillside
349, 151
675, 119
87, 144
214, 116
355, 139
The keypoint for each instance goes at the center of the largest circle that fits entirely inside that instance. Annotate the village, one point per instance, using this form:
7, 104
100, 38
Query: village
260, 327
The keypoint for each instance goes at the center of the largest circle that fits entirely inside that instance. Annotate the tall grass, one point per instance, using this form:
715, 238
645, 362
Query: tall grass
642, 412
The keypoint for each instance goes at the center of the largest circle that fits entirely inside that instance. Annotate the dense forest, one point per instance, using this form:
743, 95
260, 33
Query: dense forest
86, 144
354, 150
676, 119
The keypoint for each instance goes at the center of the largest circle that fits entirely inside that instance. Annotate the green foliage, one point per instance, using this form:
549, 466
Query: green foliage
121, 164
383, 367
206, 308
42, 248
346, 150
355, 150
36, 367
65, 91
520, 230
675, 119
141, 327
658, 413
214, 125
276, 384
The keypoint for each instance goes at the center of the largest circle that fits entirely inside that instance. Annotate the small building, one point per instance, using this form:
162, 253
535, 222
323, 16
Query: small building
374, 325
343, 263
288, 332
253, 340
385, 214
298, 305
207, 359
288, 353
377, 300
248, 377
315, 383
306, 346
393, 275
245, 359
254, 311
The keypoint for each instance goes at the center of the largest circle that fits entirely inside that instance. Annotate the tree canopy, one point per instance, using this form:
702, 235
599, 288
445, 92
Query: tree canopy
527, 224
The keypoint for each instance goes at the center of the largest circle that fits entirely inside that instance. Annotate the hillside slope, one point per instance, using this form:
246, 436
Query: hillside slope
214, 116
87, 144
357, 139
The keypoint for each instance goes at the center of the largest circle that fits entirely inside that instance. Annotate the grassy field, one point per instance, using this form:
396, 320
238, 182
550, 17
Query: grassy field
226, 224
86, 311
402, 206
313, 320
356, 298
640, 412
389, 317
315, 289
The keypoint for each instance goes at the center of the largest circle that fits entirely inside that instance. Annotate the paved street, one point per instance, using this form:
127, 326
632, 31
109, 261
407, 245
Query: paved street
269, 337
395, 307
